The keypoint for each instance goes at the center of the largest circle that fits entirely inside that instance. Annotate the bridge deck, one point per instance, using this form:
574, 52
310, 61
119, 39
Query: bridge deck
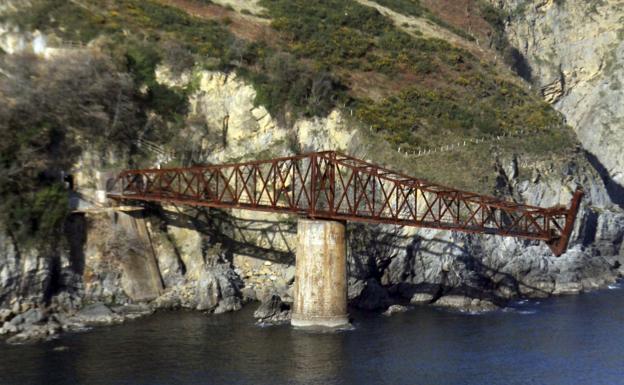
334, 186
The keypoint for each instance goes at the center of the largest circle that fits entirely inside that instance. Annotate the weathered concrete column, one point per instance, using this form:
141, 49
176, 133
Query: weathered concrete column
321, 275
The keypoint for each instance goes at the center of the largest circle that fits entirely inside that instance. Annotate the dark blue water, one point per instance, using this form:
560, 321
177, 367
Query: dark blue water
568, 340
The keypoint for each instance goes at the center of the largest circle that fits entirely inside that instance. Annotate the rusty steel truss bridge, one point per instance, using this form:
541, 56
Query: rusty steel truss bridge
330, 185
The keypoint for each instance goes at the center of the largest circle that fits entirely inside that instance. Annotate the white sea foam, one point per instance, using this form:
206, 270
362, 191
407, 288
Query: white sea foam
519, 311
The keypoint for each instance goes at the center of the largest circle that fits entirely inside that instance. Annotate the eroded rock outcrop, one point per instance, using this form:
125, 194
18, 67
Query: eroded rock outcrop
113, 276
226, 124
273, 311
575, 50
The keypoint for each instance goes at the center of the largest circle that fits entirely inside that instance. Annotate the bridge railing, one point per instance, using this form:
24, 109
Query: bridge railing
335, 186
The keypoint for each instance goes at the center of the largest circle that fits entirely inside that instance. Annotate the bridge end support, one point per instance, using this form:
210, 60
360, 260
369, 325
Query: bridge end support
560, 246
320, 292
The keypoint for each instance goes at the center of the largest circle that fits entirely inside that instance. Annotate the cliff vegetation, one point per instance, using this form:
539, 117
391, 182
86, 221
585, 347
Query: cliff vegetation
404, 89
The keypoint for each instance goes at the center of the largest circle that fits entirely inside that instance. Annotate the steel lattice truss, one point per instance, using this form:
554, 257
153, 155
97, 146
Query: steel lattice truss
330, 185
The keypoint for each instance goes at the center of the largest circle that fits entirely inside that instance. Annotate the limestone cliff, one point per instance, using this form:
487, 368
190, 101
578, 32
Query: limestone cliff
575, 50
408, 262
215, 261
225, 123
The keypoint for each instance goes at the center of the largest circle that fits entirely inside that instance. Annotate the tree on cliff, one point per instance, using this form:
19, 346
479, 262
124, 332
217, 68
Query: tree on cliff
49, 111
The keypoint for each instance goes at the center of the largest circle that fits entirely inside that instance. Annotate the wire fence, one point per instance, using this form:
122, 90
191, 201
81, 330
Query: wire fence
419, 152
472, 143
465, 144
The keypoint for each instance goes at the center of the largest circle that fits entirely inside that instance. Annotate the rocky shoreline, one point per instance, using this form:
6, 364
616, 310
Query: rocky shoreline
130, 267
27, 323
43, 324
123, 266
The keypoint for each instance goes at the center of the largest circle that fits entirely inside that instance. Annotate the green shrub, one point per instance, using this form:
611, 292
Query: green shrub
286, 84
35, 218
496, 18
418, 117
141, 62
346, 34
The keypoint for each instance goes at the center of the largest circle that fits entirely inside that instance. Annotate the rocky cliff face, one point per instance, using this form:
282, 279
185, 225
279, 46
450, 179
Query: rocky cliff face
225, 124
195, 259
575, 50
215, 261
424, 266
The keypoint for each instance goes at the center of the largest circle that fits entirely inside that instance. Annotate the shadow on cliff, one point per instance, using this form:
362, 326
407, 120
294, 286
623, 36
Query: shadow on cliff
259, 238
466, 274
66, 278
615, 190
371, 252
519, 64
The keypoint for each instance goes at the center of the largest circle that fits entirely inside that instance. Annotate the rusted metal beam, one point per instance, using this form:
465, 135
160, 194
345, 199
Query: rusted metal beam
336, 186
559, 245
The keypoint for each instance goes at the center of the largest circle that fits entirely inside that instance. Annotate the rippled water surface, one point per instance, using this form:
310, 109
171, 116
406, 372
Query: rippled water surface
570, 340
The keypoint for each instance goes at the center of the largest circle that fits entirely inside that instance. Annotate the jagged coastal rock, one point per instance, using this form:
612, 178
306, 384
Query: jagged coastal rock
273, 311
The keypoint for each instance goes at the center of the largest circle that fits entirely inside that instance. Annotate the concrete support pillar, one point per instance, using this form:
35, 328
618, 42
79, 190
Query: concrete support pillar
321, 275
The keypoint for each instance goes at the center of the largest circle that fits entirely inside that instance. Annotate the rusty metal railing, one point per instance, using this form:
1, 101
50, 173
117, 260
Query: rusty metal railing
331, 185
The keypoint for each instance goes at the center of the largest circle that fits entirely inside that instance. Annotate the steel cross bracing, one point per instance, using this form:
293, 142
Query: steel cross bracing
330, 185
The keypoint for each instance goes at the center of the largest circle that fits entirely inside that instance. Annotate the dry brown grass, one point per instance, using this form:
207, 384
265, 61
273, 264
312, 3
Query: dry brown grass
243, 26
372, 85
463, 14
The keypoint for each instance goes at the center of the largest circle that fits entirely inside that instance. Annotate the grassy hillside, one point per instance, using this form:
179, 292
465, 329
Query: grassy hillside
406, 89
335, 42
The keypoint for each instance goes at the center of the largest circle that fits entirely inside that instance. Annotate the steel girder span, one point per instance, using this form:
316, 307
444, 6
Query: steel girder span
330, 185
